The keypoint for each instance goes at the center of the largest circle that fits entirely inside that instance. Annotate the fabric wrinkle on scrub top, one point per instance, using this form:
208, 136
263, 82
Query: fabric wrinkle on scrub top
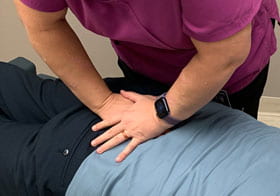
154, 38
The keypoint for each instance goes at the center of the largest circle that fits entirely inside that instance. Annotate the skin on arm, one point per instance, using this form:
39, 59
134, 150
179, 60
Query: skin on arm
198, 83
58, 45
208, 72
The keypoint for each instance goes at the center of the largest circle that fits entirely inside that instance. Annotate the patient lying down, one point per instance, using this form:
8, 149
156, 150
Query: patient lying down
45, 149
218, 152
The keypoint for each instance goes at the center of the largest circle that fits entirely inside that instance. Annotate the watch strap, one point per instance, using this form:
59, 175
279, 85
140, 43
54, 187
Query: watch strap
171, 120
168, 118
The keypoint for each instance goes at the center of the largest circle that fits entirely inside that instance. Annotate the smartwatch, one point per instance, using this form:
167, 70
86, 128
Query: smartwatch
163, 111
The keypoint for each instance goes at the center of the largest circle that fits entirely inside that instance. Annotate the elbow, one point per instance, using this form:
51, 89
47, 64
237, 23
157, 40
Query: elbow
240, 56
239, 59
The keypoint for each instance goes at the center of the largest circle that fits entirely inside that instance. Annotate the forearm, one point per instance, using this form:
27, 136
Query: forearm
208, 72
61, 49
197, 84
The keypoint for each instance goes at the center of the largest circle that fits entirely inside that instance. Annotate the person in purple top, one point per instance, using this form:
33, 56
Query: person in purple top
194, 48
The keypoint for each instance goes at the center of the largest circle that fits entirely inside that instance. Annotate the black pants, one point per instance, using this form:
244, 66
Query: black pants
246, 100
45, 131
44, 134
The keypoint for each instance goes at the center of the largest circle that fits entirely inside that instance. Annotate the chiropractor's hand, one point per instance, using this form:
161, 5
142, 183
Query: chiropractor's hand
138, 122
112, 111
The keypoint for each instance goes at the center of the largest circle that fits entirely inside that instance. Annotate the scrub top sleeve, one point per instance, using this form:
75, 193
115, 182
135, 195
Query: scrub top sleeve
215, 20
46, 5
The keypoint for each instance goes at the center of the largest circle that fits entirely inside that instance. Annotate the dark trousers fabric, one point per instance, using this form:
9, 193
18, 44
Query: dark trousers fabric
45, 131
246, 99
44, 134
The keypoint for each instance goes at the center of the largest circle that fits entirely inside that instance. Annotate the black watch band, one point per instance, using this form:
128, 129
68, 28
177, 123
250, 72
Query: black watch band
163, 111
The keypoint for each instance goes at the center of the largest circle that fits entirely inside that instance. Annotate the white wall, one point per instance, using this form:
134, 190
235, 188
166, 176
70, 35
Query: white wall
273, 83
13, 43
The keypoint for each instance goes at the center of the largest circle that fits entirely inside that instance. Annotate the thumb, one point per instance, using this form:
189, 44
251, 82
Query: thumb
130, 95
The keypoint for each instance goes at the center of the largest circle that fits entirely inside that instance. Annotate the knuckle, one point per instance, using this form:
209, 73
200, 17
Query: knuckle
111, 133
119, 137
141, 135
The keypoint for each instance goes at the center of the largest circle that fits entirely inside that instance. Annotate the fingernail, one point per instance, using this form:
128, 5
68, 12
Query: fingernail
93, 143
93, 128
118, 159
98, 151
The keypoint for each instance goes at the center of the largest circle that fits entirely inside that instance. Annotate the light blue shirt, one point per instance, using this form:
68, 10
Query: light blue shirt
220, 151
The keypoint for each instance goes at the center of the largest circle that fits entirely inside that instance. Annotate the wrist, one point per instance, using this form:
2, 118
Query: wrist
163, 110
105, 100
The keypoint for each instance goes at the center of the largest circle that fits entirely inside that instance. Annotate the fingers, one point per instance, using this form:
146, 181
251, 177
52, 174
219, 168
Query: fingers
114, 141
118, 139
128, 149
107, 135
103, 124
130, 95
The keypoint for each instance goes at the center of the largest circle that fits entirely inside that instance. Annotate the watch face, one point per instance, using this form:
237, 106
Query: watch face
162, 107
